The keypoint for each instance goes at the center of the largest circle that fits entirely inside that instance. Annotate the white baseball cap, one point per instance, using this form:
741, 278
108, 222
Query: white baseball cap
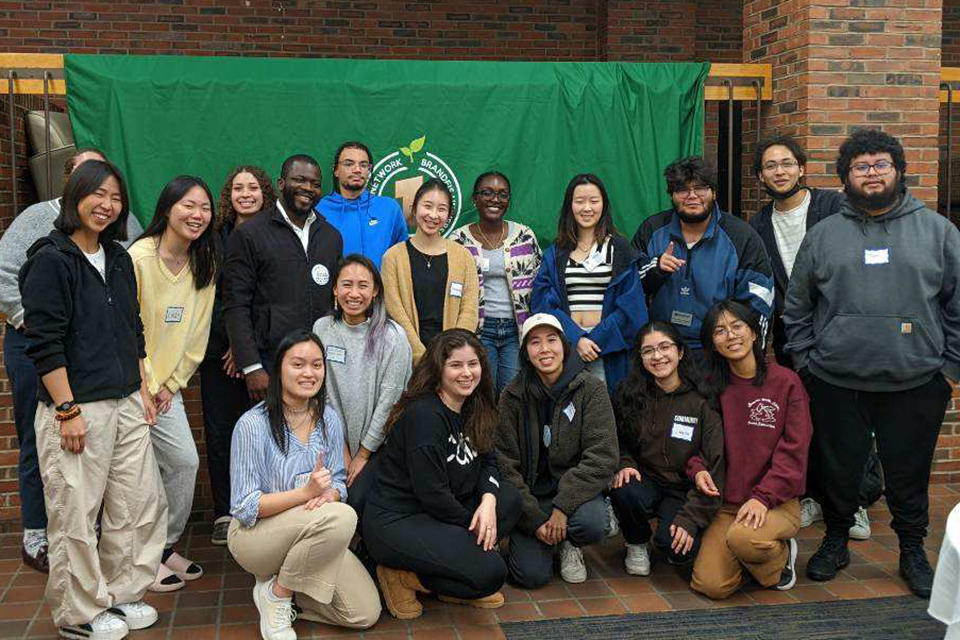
537, 320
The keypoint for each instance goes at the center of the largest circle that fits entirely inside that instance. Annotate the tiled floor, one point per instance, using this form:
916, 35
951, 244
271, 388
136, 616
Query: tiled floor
218, 606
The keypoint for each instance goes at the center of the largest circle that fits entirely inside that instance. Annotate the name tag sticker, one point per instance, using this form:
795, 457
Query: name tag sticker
336, 354
569, 412
456, 289
485, 265
681, 318
682, 431
174, 314
301, 479
876, 256
593, 261
906, 327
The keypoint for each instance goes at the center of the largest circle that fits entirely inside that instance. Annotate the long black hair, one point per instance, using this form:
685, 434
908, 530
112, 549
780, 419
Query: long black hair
637, 395
203, 251
566, 224
84, 181
274, 400
716, 366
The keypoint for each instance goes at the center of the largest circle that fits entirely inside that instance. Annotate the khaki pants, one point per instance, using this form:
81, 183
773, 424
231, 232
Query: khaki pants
726, 548
307, 551
117, 469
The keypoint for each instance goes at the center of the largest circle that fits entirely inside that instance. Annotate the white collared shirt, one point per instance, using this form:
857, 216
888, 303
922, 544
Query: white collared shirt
303, 234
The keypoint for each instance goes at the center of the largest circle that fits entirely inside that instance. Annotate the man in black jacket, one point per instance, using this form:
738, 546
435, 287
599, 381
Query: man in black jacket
780, 164
277, 273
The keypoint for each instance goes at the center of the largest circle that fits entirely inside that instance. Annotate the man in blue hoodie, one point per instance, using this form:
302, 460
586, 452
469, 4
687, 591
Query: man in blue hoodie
369, 224
873, 323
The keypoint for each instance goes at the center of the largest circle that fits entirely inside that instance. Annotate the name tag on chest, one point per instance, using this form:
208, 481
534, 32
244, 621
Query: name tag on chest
336, 354
682, 431
593, 261
174, 314
681, 318
485, 265
876, 256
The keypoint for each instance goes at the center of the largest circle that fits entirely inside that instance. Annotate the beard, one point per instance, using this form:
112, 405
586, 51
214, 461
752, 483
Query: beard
874, 201
697, 218
289, 195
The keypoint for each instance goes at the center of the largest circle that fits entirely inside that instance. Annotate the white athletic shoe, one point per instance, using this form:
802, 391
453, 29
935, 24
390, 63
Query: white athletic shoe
861, 525
613, 523
810, 512
572, 568
137, 615
637, 562
105, 626
276, 614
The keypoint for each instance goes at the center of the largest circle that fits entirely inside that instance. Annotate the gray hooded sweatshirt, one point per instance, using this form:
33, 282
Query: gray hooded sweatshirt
873, 303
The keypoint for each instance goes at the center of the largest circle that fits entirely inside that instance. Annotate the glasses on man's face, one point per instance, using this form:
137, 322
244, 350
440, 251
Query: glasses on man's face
736, 329
490, 194
349, 165
862, 169
787, 165
663, 348
701, 191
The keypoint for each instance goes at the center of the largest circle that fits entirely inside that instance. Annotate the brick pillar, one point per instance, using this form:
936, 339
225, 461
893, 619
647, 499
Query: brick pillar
841, 65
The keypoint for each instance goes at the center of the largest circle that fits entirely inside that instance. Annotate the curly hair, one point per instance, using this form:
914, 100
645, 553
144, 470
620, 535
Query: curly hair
479, 411
227, 213
690, 169
865, 141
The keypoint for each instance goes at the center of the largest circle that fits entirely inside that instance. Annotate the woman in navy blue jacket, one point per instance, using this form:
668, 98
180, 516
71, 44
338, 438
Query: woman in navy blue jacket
590, 282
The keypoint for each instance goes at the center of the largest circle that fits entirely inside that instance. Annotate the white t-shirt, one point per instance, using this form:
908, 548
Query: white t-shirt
99, 261
789, 228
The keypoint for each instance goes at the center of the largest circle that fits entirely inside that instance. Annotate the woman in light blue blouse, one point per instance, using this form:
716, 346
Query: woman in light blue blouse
291, 522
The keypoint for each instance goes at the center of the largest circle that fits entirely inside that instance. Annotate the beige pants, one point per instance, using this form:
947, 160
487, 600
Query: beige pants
117, 469
726, 548
307, 551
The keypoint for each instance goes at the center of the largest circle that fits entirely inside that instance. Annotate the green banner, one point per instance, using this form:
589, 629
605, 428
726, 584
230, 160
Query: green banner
537, 122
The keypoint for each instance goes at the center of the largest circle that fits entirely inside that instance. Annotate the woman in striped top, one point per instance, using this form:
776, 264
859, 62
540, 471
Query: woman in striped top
291, 524
589, 281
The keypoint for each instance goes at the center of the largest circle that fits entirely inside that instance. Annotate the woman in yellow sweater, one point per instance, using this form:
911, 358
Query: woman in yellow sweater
430, 283
175, 261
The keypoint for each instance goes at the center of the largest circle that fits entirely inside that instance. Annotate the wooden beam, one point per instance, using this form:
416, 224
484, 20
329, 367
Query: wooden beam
740, 75
951, 75
35, 62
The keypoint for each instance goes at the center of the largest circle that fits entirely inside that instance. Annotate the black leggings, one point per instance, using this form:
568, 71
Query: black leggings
224, 400
444, 556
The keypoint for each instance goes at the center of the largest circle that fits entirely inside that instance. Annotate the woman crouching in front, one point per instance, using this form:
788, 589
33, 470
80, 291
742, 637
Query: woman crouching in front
291, 524
437, 510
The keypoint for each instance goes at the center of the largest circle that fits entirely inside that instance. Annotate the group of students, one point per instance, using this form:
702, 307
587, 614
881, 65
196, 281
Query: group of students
407, 401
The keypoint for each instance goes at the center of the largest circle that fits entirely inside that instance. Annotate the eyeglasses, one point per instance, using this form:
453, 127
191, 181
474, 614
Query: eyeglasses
490, 194
702, 190
787, 165
350, 164
735, 329
663, 348
862, 169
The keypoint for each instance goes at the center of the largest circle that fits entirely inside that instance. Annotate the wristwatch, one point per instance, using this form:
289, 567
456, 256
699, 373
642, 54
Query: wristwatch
65, 407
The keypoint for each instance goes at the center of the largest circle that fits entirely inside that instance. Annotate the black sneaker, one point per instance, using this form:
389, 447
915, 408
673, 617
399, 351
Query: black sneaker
788, 577
832, 556
916, 570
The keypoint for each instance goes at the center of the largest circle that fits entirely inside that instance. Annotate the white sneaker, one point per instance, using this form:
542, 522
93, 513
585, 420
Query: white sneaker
572, 568
137, 615
637, 562
613, 523
861, 525
105, 626
810, 512
276, 614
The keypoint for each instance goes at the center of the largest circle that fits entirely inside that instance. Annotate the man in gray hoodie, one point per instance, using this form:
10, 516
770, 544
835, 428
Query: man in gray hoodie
33, 223
873, 322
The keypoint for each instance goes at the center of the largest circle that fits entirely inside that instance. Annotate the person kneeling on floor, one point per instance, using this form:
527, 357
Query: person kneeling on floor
557, 444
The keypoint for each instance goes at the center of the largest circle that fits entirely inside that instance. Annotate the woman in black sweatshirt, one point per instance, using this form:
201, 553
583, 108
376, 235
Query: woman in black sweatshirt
86, 340
437, 510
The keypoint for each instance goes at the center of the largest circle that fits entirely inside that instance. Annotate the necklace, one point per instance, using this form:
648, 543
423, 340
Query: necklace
486, 240
296, 412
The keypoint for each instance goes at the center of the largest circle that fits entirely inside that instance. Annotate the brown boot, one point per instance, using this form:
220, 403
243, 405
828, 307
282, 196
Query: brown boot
492, 601
400, 598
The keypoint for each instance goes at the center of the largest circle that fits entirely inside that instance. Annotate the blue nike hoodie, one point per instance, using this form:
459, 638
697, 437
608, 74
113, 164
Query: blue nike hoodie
369, 224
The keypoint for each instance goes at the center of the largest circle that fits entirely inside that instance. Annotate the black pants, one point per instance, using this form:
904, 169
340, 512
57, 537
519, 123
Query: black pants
224, 400
444, 556
23, 382
357, 492
906, 425
531, 561
637, 503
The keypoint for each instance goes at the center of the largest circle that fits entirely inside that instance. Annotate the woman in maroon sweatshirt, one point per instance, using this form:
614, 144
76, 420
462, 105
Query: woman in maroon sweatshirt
766, 434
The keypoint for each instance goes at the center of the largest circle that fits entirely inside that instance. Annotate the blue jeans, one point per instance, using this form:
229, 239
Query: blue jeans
23, 380
500, 337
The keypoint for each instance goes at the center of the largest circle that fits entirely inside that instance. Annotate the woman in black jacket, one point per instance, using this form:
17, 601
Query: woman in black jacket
86, 340
437, 511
